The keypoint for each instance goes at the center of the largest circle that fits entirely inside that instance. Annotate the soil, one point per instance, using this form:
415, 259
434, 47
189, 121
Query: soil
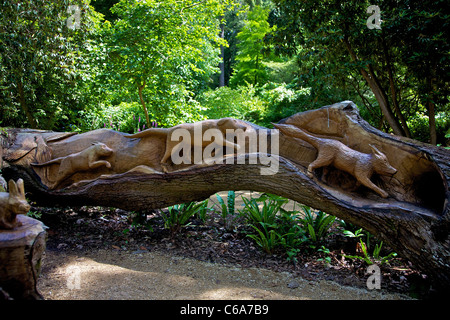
103, 253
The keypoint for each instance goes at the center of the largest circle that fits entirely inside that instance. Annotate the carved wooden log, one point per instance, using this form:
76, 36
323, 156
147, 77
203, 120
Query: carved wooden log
409, 209
21, 252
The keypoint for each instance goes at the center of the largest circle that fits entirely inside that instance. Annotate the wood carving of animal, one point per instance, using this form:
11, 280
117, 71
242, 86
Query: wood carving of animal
173, 147
84, 160
12, 204
335, 153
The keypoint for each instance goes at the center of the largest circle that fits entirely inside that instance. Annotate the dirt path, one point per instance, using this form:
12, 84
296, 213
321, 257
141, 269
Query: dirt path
143, 275
89, 257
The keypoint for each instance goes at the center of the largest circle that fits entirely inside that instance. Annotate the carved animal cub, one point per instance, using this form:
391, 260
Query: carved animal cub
335, 153
12, 204
84, 160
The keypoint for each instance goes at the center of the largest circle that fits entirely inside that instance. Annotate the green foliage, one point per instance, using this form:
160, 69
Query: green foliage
274, 226
293, 235
104, 6
278, 228
164, 55
265, 215
419, 126
179, 215
376, 257
260, 105
351, 231
45, 67
202, 212
250, 67
283, 101
316, 225
240, 103
266, 237
263, 220
125, 117
139, 219
161, 49
34, 214
338, 55
228, 209
326, 255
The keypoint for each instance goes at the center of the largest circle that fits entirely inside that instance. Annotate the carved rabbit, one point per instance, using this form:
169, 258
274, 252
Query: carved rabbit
12, 204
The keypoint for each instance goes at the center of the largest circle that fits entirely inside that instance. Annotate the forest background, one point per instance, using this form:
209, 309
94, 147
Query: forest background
129, 65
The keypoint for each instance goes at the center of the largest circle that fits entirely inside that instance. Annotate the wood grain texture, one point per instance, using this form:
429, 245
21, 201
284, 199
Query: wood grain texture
414, 218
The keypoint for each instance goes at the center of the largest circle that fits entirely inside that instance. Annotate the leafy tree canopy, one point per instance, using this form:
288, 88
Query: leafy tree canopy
43, 62
405, 63
161, 49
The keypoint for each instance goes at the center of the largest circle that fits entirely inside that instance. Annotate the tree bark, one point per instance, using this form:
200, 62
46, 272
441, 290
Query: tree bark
21, 252
414, 219
140, 89
393, 90
379, 93
23, 105
222, 56
431, 110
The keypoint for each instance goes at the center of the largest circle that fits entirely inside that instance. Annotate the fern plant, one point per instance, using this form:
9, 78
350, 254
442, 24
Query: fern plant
316, 225
376, 258
179, 214
267, 214
266, 237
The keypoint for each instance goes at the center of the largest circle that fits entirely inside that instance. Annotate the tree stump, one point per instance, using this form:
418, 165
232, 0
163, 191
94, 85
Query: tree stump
21, 251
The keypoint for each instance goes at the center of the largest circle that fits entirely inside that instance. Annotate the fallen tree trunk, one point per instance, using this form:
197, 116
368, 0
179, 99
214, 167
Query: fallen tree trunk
413, 218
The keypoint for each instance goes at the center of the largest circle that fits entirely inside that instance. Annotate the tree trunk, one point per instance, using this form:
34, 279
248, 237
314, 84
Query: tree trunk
432, 122
23, 105
21, 252
379, 93
222, 57
414, 218
431, 111
393, 89
140, 89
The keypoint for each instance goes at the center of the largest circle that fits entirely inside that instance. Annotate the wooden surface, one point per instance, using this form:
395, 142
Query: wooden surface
414, 218
21, 252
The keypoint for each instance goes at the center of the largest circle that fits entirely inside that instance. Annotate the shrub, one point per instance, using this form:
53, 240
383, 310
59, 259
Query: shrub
240, 103
274, 226
179, 214
420, 128
316, 225
267, 214
125, 117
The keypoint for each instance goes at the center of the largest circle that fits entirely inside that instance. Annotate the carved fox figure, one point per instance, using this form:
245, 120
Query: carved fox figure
335, 153
12, 204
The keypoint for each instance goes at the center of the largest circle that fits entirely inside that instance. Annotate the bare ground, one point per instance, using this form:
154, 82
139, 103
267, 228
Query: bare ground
120, 275
97, 254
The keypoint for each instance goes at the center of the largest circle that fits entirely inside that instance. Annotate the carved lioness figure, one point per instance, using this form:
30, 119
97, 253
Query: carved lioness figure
173, 147
335, 153
84, 160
